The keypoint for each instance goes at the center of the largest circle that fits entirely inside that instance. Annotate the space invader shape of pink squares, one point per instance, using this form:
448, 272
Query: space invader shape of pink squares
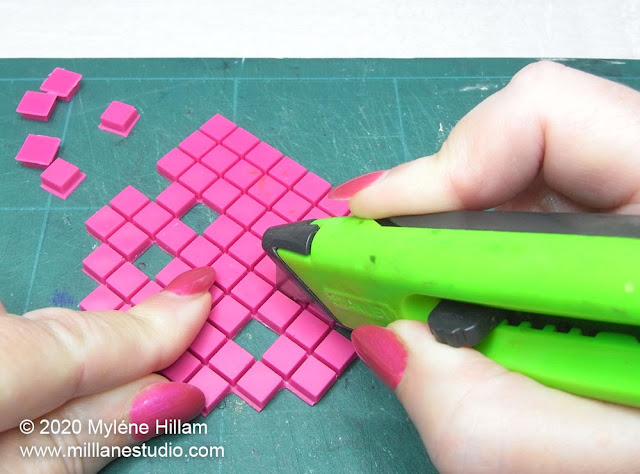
175, 236
129, 201
336, 351
240, 142
129, 241
173, 164
231, 361
197, 179
177, 199
119, 118
38, 151
64, 84
36, 105
264, 156
200, 252
223, 232
102, 262
287, 171
312, 187
101, 299
218, 127
104, 223
61, 178
197, 145
259, 385
152, 218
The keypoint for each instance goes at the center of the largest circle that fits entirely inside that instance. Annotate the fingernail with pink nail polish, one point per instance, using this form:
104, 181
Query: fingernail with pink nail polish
163, 406
192, 282
383, 353
346, 191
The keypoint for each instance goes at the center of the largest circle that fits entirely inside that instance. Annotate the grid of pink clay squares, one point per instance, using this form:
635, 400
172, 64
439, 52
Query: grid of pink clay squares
251, 186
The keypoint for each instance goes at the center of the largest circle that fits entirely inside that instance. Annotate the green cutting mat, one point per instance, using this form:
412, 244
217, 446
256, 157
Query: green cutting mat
339, 118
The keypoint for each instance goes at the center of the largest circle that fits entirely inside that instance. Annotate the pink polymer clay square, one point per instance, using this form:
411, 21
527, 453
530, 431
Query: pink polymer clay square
151, 218
245, 211
228, 272
315, 213
307, 330
266, 269
248, 250
220, 195
173, 269
292, 207
218, 127
101, 299
284, 356
231, 361
219, 160
129, 201
216, 293
278, 312
175, 236
101, 263
312, 187
229, 316
130, 241
126, 281
223, 232
259, 385
104, 223
197, 145
252, 291
61, 178
182, 369
38, 151
119, 118
200, 252
243, 175
207, 342
197, 179
173, 164
333, 207
177, 199
267, 191
336, 351
312, 380
264, 156
36, 105
269, 219
287, 171
240, 141
214, 387
64, 84
150, 289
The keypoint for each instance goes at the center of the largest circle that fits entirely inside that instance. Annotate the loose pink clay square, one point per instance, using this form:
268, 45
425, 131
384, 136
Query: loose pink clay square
64, 84
173, 164
101, 299
104, 223
152, 218
38, 151
119, 118
223, 232
101, 263
36, 105
129, 241
61, 178
129, 201
259, 385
